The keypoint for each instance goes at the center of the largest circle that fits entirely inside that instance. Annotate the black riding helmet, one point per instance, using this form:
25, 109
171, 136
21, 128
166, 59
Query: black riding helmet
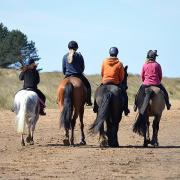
113, 51
152, 54
73, 45
31, 61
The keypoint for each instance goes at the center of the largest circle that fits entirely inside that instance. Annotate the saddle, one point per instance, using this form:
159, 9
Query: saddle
42, 104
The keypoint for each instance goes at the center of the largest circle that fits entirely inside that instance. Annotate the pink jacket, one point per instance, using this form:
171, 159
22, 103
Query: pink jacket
151, 73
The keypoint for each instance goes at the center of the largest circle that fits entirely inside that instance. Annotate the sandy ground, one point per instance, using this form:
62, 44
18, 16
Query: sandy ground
49, 159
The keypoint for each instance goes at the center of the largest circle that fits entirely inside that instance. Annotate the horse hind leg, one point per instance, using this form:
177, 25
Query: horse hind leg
155, 126
32, 135
29, 138
147, 133
102, 137
82, 141
73, 123
66, 139
22, 140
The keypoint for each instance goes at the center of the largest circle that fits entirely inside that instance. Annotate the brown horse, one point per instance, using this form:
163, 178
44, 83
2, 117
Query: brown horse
71, 96
154, 106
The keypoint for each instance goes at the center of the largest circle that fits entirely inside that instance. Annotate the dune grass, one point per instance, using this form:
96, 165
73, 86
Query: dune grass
10, 84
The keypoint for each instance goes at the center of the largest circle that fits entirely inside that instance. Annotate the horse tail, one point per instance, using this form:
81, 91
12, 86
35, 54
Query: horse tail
20, 122
66, 114
103, 113
139, 126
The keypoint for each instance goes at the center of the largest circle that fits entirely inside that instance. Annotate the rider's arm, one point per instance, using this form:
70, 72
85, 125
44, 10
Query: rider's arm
160, 72
142, 74
21, 76
82, 66
37, 77
64, 65
121, 73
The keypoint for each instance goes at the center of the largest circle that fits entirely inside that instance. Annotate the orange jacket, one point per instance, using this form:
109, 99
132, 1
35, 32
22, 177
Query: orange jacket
112, 71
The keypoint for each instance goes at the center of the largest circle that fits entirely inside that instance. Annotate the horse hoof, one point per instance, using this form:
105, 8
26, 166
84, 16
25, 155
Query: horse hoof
66, 142
148, 141
145, 144
154, 143
28, 139
22, 143
103, 143
82, 143
31, 142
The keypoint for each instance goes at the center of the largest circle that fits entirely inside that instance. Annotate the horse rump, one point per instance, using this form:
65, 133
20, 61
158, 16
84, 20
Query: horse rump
139, 126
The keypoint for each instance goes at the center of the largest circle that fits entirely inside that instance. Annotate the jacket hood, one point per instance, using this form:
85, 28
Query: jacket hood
112, 61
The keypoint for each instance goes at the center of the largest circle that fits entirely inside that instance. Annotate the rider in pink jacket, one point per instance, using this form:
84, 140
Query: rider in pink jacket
151, 75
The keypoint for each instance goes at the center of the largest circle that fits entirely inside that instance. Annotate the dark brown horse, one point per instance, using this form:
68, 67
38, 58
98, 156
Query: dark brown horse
152, 106
109, 107
71, 97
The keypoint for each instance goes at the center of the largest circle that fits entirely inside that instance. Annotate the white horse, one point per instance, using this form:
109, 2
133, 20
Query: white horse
26, 107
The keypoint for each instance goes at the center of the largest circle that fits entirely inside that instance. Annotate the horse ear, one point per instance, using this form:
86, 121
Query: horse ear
126, 67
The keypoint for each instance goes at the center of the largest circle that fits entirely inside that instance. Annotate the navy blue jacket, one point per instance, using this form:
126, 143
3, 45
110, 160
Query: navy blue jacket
76, 67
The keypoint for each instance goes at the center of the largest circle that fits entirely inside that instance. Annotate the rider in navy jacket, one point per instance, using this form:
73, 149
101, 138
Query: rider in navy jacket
73, 65
76, 68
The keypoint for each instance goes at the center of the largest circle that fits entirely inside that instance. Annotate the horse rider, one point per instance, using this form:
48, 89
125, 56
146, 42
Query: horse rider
151, 75
73, 65
31, 79
112, 72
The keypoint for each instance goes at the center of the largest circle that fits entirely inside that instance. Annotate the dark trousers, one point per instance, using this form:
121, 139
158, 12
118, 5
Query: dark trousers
41, 95
86, 83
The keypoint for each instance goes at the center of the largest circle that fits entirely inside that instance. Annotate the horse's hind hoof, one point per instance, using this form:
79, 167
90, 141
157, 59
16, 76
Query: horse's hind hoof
103, 143
28, 139
66, 142
155, 144
82, 143
145, 144
22, 143
31, 142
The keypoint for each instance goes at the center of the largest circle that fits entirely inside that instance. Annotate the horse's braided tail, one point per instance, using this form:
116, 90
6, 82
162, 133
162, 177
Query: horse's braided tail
139, 126
66, 115
103, 113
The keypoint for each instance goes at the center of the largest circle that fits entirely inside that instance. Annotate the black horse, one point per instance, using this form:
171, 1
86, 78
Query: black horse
109, 106
109, 101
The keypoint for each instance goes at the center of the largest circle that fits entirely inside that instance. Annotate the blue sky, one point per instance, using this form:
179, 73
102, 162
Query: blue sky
134, 26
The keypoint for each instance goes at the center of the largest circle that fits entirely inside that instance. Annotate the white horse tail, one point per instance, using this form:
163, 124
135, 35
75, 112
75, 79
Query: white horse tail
21, 117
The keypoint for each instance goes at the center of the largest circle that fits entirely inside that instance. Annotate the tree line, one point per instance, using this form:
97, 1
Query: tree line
15, 49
